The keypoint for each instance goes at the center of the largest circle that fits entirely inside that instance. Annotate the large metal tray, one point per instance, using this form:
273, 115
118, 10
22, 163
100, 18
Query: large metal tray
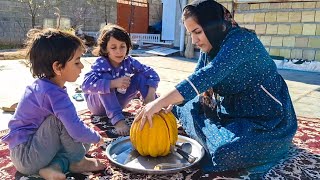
122, 153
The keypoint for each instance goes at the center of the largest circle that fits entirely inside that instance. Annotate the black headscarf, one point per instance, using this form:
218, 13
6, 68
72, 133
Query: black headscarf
215, 20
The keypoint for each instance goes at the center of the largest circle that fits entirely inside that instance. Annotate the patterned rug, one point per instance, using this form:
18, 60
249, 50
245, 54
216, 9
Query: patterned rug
303, 161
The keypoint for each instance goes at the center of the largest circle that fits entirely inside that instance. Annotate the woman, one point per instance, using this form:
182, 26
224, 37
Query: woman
235, 103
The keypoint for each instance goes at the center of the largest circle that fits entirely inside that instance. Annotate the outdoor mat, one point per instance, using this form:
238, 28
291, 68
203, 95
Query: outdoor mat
303, 161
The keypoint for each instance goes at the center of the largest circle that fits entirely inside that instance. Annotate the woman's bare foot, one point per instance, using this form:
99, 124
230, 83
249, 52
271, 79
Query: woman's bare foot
122, 128
52, 172
87, 165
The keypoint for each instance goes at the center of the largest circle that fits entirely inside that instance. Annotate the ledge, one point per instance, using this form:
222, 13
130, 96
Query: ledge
270, 1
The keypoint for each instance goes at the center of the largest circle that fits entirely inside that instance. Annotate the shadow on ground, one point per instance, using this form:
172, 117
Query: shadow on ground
312, 78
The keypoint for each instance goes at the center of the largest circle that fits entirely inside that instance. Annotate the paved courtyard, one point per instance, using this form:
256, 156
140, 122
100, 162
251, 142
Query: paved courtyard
304, 86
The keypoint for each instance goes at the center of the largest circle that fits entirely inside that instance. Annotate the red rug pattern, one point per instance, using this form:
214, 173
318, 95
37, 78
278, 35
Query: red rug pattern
303, 161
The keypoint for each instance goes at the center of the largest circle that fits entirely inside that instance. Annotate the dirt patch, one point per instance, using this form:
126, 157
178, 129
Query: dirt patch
12, 55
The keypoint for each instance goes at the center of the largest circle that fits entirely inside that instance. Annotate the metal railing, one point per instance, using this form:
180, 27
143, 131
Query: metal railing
140, 37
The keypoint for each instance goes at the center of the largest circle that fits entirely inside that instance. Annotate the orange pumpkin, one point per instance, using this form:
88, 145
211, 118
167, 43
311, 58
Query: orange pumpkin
155, 141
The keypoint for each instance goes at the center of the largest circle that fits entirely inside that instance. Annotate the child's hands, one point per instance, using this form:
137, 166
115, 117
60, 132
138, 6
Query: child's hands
122, 82
101, 142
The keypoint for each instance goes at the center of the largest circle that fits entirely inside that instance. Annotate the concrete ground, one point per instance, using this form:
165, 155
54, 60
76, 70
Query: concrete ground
304, 87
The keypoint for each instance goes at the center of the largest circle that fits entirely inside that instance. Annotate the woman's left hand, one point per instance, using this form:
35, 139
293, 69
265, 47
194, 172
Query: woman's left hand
163, 102
147, 113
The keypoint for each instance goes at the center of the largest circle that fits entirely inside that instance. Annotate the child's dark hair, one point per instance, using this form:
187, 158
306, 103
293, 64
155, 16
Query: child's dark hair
44, 47
108, 31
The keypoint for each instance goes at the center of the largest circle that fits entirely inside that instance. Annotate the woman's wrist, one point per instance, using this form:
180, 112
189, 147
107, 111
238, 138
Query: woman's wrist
173, 97
163, 101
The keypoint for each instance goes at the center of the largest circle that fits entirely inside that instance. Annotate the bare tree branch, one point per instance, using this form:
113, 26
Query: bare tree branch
36, 7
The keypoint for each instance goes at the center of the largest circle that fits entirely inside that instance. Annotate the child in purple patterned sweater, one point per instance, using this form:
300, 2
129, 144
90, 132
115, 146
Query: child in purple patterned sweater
113, 72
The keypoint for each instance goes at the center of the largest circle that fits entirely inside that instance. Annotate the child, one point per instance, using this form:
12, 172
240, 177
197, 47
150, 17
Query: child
111, 73
46, 136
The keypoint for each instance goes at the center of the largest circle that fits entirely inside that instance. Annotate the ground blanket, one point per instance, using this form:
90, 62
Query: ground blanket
303, 161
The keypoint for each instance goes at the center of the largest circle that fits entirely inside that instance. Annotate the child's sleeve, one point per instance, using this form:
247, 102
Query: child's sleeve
96, 81
59, 103
151, 75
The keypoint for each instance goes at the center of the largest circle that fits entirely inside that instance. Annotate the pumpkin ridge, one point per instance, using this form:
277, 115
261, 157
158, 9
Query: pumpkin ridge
133, 137
151, 142
168, 126
155, 141
144, 139
167, 150
175, 127
172, 123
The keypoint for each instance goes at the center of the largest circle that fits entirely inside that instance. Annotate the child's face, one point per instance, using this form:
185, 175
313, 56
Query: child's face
72, 69
116, 51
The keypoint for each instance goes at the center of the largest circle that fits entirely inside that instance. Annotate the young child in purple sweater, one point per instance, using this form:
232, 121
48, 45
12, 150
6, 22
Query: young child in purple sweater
46, 135
113, 72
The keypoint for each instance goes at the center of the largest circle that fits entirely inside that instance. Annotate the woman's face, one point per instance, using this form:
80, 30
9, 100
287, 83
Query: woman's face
197, 34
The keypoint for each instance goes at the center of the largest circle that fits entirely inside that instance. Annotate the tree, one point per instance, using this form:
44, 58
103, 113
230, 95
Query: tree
37, 7
105, 5
79, 15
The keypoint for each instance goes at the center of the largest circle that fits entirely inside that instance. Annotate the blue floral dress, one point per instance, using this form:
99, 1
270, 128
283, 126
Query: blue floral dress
251, 121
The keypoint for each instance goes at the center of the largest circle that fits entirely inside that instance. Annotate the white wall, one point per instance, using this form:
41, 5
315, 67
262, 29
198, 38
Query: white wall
168, 20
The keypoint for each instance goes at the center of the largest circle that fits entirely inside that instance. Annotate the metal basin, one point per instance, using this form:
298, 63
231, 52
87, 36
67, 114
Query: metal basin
122, 153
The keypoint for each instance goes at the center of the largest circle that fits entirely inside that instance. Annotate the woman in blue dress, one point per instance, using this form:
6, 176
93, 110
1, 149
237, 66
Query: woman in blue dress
235, 103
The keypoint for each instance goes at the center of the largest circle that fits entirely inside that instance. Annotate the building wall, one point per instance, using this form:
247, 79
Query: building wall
227, 4
155, 11
15, 21
288, 29
12, 22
